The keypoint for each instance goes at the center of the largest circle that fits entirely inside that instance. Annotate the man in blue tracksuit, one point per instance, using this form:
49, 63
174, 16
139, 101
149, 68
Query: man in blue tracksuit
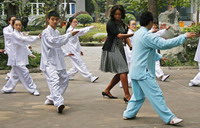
142, 70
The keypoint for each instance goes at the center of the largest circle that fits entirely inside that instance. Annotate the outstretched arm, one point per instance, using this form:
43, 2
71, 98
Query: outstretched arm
155, 42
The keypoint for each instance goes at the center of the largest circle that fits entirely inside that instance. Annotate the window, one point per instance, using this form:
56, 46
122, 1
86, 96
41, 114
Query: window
73, 9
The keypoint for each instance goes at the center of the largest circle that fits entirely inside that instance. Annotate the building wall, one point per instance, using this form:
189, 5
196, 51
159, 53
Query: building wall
80, 5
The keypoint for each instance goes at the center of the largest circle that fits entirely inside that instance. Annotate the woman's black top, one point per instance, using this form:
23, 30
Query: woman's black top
112, 30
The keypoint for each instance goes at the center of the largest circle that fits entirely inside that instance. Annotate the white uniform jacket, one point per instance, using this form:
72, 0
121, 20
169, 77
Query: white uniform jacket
127, 50
51, 48
7, 31
197, 55
73, 45
18, 54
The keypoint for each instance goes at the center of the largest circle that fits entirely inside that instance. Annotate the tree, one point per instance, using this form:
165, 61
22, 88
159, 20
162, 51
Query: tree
97, 11
152, 7
197, 6
109, 3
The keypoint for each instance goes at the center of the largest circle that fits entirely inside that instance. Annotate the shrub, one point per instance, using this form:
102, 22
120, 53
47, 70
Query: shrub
129, 17
84, 19
103, 19
101, 38
2, 25
87, 37
34, 62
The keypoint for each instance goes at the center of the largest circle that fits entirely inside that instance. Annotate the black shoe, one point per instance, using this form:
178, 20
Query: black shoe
125, 100
111, 97
60, 108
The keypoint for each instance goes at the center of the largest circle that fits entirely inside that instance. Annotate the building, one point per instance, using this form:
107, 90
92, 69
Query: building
36, 5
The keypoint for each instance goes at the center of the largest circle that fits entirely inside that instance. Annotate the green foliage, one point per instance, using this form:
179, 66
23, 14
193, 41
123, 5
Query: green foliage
2, 25
99, 28
84, 19
34, 62
142, 5
103, 19
129, 17
39, 21
87, 37
195, 28
23, 9
190, 49
35, 30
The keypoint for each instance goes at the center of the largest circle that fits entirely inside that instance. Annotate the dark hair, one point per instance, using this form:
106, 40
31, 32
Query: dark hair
113, 10
15, 21
69, 22
130, 21
155, 22
9, 18
53, 13
146, 18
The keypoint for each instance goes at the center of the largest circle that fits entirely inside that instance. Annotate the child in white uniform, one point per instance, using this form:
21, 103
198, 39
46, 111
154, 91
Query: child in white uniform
52, 61
159, 72
7, 32
73, 50
18, 59
196, 80
132, 27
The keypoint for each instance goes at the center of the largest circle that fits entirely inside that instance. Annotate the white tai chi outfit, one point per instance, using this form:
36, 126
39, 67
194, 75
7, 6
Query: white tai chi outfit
196, 80
73, 47
159, 72
128, 55
18, 59
53, 64
7, 32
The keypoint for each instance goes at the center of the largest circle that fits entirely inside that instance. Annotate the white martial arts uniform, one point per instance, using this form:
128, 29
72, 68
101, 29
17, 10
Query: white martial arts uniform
159, 72
7, 32
53, 64
74, 47
196, 79
128, 55
18, 59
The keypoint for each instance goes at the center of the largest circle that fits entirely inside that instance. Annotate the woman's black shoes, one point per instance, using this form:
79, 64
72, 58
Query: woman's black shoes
111, 97
125, 100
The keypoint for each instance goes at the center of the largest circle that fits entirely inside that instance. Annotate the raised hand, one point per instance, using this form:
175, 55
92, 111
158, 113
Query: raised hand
191, 34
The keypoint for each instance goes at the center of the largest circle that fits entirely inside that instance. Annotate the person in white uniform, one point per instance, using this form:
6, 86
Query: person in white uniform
73, 50
159, 72
52, 61
196, 80
18, 59
132, 27
7, 31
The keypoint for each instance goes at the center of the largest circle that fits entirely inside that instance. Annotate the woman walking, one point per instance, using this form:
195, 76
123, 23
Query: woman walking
113, 57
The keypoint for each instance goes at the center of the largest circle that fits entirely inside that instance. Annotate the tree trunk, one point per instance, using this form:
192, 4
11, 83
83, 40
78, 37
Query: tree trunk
96, 12
152, 7
67, 8
11, 10
107, 9
197, 15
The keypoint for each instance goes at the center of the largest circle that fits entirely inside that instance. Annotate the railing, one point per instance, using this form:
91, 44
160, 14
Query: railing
36, 8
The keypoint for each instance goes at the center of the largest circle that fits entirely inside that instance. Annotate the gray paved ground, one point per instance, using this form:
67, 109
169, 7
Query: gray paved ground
86, 108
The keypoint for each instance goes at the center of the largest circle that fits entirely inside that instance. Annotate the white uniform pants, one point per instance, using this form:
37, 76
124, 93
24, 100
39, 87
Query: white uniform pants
78, 65
196, 80
159, 71
57, 81
19, 73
